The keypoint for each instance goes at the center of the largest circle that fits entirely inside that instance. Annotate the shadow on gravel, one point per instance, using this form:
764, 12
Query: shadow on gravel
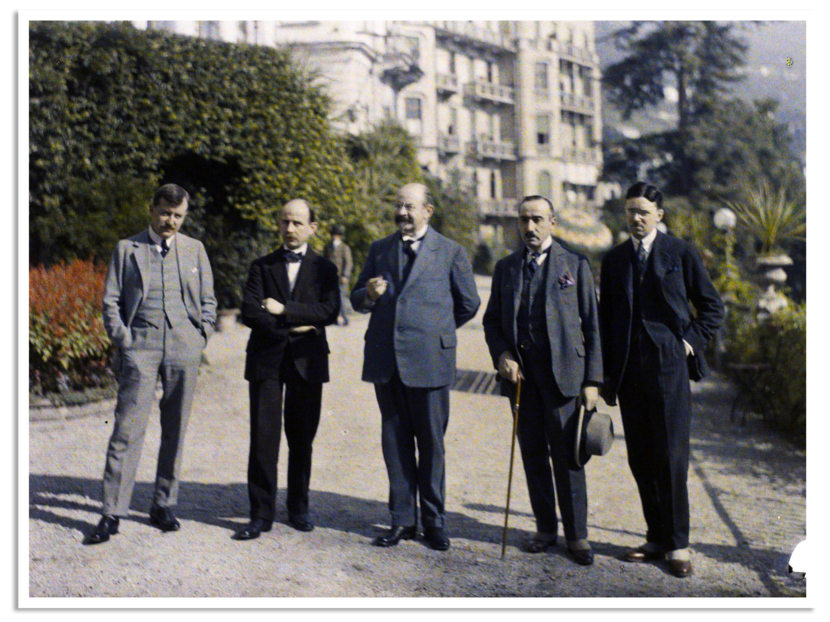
226, 506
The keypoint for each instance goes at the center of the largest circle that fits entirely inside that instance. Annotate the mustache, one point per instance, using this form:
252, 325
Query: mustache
402, 219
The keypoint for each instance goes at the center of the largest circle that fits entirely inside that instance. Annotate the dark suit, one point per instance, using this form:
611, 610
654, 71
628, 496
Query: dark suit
410, 357
277, 358
555, 364
643, 323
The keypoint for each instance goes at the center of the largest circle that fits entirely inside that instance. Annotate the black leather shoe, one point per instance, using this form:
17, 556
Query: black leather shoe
107, 526
253, 529
163, 518
640, 555
395, 534
437, 538
583, 558
300, 523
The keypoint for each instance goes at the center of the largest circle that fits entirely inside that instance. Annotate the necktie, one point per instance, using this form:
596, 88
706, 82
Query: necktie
532, 262
642, 257
291, 256
164, 248
410, 257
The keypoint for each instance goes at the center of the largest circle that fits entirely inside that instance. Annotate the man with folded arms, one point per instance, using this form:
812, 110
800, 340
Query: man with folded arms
289, 298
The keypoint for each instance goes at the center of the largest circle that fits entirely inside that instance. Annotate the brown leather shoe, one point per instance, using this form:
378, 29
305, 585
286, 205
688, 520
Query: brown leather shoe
640, 555
680, 567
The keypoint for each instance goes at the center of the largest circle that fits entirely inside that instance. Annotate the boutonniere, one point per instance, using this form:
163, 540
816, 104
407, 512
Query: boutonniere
565, 281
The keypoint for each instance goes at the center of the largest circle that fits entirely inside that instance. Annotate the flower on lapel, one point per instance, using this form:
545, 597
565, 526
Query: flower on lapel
566, 280
194, 270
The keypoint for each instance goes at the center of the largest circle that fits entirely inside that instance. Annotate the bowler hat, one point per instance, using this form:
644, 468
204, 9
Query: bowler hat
594, 435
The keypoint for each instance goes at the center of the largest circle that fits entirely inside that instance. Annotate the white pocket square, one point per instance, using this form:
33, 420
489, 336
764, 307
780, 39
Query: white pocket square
194, 270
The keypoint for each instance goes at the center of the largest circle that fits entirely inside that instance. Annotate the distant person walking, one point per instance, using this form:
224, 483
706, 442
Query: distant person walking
339, 253
159, 312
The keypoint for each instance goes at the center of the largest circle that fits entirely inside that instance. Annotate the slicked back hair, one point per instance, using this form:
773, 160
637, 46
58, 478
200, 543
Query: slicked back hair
171, 194
536, 197
646, 191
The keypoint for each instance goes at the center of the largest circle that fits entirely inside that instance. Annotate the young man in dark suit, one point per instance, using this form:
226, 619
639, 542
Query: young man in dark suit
542, 325
289, 298
419, 287
651, 338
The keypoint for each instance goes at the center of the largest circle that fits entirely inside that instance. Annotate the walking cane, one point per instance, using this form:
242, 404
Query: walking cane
512, 453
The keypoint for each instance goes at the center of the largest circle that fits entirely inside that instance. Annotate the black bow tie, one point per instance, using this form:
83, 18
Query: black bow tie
291, 256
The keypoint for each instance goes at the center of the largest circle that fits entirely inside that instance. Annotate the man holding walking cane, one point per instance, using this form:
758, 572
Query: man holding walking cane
541, 325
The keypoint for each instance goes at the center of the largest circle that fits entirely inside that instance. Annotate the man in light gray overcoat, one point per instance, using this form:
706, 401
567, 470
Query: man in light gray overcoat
419, 287
159, 312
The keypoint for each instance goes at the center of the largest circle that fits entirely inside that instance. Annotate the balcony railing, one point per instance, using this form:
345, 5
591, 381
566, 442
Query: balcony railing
497, 207
449, 143
492, 150
576, 154
473, 34
446, 82
491, 91
580, 103
570, 52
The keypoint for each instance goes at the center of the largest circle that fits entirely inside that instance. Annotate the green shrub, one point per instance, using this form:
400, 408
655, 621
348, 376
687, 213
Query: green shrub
779, 392
68, 346
238, 126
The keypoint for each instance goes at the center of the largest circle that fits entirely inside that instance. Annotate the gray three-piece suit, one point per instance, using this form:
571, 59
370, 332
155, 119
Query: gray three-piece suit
159, 312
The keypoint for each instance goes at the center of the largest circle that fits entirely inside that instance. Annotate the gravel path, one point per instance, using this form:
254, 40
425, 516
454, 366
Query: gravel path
747, 490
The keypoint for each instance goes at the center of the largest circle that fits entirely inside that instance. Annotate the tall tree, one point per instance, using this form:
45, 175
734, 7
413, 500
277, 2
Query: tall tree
700, 60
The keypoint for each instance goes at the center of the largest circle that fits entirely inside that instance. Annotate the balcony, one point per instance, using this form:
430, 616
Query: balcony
466, 32
497, 207
579, 155
448, 144
446, 83
489, 91
577, 103
485, 149
568, 51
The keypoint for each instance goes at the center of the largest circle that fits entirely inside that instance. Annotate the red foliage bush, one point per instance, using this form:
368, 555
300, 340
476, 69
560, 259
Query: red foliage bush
68, 346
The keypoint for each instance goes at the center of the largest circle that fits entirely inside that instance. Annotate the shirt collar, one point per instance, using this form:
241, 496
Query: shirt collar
157, 239
647, 241
302, 250
418, 234
545, 246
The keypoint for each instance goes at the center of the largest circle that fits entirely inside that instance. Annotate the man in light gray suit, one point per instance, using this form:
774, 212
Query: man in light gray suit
159, 312
419, 287
542, 325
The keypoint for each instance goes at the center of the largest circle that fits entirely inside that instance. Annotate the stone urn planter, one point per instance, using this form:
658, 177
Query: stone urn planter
770, 269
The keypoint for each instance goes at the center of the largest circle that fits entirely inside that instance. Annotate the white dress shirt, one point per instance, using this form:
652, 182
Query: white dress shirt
543, 251
294, 267
416, 244
158, 240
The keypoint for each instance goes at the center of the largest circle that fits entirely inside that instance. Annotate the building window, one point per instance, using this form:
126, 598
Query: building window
543, 129
452, 63
490, 73
413, 108
541, 81
492, 184
243, 32
453, 121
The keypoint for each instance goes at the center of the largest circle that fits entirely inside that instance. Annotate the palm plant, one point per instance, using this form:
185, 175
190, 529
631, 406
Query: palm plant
771, 217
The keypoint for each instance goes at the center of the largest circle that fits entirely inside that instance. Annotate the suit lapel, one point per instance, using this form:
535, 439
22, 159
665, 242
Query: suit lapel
281, 278
429, 245
141, 254
515, 268
303, 275
556, 268
661, 259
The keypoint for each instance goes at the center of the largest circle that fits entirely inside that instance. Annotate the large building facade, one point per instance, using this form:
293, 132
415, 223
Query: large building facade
513, 106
